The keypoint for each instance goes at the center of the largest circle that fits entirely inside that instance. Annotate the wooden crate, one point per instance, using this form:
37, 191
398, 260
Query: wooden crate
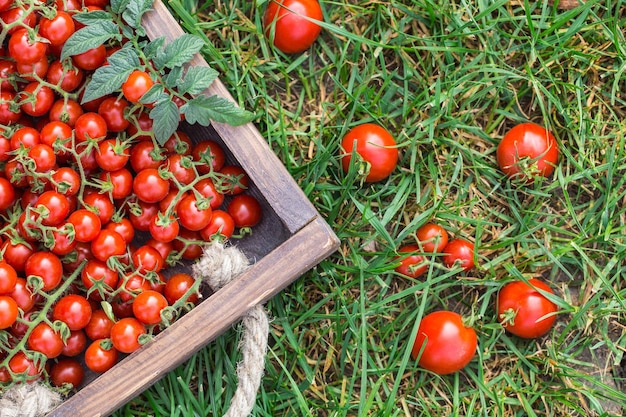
291, 239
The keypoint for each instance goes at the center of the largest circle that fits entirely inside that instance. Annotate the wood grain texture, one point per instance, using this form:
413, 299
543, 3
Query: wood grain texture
291, 239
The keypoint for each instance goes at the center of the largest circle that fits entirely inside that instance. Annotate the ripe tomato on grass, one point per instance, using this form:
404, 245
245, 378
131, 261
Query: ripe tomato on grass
412, 264
527, 151
524, 311
459, 252
375, 146
444, 343
290, 24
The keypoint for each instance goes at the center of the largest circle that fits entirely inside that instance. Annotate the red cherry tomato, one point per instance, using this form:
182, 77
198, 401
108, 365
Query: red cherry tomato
74, 310
444, 344
522, 309
149, 186
375, 146
58, 29
99, 358
46, 340
47, 266
459, 252
147, 307
527, 151
136, 85
125, 334
8, 311
412, 265
245, 210
67, 371
23, 50
287, 24
432, 237
177, 286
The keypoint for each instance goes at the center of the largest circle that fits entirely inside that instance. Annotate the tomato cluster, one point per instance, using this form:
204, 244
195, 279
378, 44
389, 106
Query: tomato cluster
433, 239
93, 209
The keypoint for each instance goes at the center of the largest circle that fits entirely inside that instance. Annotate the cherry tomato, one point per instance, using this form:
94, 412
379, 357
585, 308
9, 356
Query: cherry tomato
97, 272
287, 24
66, 111
146, 258
65, 75
132, 285
459, 251
8, 311
148, 305
432, 237
221, 224
99, 326
74, 310
180, 166
113, 110
58, 29
177, 286
24, 365
8, 278
245, 210
207, 189
100, 204
194, 218
46, 340
90, 125
149, 186
527, 151
23, 50
56, 205
120, 183
209, 155
47, 266
235, 180
522, 309
112, 155
8, 114
164, 229
107, 244
145, 155
375, 146
7, 194
411, 265
75, 343
23, 296
125, 334
67, 371
99, 358
444, 344
91, 59
37, 99
16, 254
136, 85
124, 227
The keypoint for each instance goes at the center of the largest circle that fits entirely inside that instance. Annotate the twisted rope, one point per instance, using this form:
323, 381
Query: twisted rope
217, 267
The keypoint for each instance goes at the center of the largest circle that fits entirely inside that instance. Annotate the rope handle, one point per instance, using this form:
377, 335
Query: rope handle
217, 267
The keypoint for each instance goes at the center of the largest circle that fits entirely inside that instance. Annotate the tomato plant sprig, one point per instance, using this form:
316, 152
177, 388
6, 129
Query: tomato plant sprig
174, 92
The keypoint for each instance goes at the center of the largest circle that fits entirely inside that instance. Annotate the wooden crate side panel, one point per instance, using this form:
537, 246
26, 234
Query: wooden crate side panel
204, 323
245, 142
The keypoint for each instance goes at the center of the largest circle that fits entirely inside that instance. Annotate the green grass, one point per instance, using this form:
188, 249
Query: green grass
448, 78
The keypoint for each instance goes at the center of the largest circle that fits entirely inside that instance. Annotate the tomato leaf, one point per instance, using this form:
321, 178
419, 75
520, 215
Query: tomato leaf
166, 116
178, 52
204, 109
152, 48
155, 94
173, 78
133, 13
89, 37
197, 79
109, 79
89, 18
118, 6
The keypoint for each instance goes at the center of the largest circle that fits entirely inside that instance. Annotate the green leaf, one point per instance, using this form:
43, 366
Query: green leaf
118, 6
109, 79
152, 48
89, 18
197, 79
173, 78
90, 37
204, 109
166, 117
134, 11
155, 94
180, 51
